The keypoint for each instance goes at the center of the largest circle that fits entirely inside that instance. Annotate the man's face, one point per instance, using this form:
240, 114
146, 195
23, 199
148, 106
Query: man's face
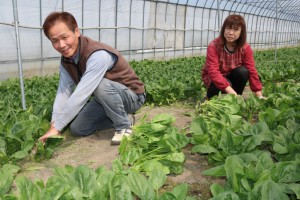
63, 39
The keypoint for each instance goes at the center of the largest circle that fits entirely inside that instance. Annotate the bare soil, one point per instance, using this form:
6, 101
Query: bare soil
96, 150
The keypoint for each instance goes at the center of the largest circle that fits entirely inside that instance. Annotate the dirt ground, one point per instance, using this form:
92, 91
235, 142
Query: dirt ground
96, 150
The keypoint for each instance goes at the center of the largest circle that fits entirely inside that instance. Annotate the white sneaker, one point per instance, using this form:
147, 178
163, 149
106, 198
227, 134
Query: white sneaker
131, 117
119, 135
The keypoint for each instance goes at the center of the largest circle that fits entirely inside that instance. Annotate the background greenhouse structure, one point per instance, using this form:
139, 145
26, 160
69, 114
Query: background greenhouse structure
140, 29
183, 145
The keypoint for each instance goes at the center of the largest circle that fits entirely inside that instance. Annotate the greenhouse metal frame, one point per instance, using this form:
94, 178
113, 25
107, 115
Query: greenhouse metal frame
139, 29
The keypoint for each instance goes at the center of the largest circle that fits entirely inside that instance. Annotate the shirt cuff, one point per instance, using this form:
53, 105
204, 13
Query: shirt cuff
59, 126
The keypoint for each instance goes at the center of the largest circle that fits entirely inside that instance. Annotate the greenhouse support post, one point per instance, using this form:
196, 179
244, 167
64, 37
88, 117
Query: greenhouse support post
16, 21
276, 32
219, 20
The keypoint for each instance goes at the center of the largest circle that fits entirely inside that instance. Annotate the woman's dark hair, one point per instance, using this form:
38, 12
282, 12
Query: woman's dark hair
55, 17
233, 21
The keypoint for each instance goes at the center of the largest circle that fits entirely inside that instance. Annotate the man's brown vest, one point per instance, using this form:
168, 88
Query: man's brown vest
121, 71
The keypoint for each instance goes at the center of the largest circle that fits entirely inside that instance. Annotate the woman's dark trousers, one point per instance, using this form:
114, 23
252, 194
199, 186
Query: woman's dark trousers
237, 78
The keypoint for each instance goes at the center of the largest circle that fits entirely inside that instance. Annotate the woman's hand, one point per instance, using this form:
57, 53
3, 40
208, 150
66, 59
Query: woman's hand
230, 90
259, 95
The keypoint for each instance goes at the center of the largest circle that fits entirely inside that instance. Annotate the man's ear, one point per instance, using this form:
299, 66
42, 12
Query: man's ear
77, 32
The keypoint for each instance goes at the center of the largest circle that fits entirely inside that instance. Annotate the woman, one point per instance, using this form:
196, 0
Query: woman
230, 62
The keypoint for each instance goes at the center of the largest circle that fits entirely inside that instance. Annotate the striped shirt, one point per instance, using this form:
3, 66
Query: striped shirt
220, 62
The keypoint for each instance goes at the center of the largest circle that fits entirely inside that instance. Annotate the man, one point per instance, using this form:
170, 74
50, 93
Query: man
97, 86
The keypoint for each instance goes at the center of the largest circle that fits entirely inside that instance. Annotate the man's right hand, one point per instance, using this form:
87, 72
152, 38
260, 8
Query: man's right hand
52, 131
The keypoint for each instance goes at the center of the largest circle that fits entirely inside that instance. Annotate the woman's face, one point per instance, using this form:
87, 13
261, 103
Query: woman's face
64, 40
232, 34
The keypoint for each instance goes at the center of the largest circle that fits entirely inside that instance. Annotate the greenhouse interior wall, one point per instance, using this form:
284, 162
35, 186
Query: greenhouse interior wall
139, 29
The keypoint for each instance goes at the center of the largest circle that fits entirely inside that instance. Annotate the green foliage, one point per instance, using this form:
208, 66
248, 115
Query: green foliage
255, 143
154, 145
260, 159
84, 183
169, 81
286, 65
19, 129
7, 175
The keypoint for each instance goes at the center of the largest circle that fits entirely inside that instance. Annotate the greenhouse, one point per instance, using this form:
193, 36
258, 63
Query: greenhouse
214, 101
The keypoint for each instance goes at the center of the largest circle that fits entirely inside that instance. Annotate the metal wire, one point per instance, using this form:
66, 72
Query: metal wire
194, 23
